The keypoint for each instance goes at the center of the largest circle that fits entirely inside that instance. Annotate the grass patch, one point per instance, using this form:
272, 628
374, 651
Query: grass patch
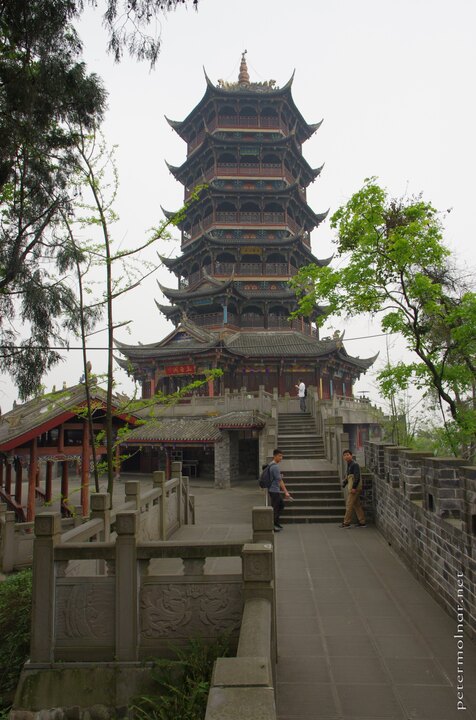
181, 684
15, 623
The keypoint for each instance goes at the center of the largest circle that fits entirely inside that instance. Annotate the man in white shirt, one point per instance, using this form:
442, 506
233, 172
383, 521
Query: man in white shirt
302, 395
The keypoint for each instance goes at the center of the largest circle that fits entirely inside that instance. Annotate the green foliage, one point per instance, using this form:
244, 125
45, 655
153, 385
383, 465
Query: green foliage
46, 100
182, 684
395, 264
15, 618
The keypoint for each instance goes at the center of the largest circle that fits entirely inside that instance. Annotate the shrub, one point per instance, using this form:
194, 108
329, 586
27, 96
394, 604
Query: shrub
15, 617
182, 684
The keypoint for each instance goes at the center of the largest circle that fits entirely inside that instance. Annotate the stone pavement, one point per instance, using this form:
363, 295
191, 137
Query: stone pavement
358, 637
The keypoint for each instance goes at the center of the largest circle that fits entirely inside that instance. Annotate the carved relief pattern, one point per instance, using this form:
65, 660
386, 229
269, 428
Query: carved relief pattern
190, 609
257, 567
85, 610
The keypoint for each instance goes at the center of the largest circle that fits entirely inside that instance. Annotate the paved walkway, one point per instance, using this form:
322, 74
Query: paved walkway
358, 637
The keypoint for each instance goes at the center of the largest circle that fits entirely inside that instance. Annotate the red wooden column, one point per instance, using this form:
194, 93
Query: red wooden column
211, 391
168, 464
85, 470
18, 482
8, 477
1, 473
64, 485
49, 481
32, 475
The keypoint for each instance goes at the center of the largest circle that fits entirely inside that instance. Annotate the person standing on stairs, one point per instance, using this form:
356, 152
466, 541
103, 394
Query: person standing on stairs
301, 388
353, 480
276, 488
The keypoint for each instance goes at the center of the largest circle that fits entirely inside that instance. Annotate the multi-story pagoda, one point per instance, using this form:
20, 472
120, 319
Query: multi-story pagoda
243, 238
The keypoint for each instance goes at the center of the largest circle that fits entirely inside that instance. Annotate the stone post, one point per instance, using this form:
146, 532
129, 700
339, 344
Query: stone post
222, 461
127, 600
132, 493
7, 551
158, 481
163, 508
176, 469
100, 509
262, 522
47, 536
258, 580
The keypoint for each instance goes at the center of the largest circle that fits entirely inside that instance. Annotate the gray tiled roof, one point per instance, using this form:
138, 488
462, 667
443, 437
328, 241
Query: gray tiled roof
277, 343
175, 430
190, 430
25, 418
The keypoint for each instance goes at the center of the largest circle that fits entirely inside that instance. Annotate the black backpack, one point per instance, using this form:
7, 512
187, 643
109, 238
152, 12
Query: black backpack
265, 478
305, 392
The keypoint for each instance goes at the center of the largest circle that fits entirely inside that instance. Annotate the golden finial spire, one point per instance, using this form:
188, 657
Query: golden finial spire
243, 77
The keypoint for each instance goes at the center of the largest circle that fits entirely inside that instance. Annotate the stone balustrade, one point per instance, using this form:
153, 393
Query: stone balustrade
426, 509
100, 631
164, 508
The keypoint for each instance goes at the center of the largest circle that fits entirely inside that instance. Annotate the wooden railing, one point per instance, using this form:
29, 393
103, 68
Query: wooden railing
242, 218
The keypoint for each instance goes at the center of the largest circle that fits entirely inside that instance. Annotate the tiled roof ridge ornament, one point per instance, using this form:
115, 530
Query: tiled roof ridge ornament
244, 76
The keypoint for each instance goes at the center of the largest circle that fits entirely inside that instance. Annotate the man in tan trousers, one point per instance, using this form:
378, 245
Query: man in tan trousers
353, 481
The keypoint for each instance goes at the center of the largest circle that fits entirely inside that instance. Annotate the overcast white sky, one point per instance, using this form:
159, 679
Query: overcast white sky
393, 81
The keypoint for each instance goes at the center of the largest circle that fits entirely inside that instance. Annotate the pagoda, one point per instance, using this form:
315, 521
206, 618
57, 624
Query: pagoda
245, 233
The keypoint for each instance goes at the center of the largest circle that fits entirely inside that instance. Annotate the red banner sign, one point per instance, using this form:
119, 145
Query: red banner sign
180, 370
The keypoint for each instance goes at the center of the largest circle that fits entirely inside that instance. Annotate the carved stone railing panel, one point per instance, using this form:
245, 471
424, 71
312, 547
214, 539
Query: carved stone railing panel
177, 609
84, 619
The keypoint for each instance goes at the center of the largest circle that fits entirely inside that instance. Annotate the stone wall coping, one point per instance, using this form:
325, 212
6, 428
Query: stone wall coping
408, 453
445, 461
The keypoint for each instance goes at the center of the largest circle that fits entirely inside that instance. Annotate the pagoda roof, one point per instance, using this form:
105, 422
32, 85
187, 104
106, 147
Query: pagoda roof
208, 239
248, 344
211, 139
291, 343
187, 336
245, 89
32, 418
209, 286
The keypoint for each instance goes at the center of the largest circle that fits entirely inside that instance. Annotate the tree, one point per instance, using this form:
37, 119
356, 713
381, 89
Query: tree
128, 22
47, 100
397, 266
115, 272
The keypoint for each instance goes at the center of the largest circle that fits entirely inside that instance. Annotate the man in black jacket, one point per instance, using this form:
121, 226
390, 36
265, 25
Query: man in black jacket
353, 481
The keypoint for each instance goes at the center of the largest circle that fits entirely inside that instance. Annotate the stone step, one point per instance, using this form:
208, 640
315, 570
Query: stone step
317, 472
294, 519
298, 511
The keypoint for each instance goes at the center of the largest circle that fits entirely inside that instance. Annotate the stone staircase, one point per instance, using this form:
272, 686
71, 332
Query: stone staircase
312, 482
298, 438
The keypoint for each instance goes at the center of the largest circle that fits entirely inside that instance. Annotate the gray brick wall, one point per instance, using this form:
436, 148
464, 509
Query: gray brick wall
426, 507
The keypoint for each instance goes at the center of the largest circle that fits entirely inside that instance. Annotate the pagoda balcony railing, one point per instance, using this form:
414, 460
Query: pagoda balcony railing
254, 269
252, 170
248, 121
243, 218
215, 319
235, 121
255, 322
239, 270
